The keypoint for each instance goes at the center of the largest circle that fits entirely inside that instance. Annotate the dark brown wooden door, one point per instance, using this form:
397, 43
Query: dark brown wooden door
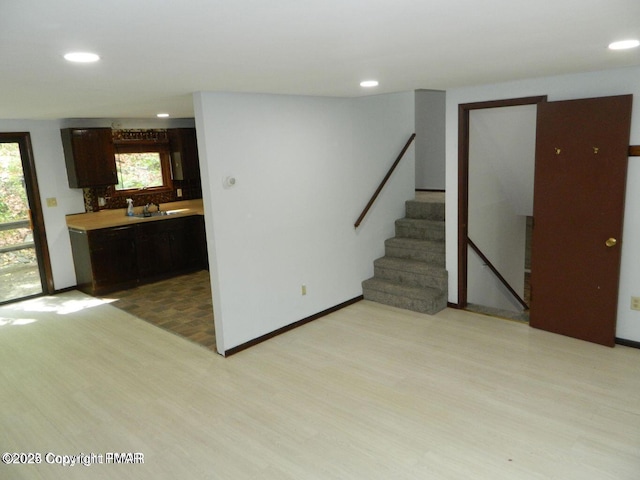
580, 177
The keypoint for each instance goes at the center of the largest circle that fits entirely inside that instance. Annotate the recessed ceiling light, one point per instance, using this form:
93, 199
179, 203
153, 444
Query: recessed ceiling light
624, 44
369, 83
162, 115
82, 57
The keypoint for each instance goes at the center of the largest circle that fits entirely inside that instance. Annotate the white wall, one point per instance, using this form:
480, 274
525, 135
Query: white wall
305, 167
501, 168
595, 84
430, 139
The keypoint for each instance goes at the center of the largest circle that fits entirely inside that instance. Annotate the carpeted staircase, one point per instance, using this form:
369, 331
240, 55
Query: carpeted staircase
412, 273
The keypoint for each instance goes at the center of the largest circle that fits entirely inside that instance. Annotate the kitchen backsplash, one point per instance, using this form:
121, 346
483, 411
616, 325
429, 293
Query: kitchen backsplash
191, 190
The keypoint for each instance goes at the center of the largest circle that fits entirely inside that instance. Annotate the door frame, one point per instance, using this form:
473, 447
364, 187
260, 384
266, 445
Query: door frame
464, 110
23, 139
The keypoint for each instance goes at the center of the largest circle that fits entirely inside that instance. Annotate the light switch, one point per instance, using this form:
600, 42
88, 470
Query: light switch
52, 202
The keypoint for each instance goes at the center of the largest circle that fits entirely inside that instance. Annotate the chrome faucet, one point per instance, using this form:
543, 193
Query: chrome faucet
145, 209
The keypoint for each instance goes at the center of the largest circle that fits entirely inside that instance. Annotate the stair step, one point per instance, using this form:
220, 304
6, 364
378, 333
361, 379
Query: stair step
420, 229
425, 210
410, 273
428, 251
423, 300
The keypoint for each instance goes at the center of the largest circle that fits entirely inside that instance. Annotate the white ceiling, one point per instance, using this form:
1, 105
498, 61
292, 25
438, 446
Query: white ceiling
155, 53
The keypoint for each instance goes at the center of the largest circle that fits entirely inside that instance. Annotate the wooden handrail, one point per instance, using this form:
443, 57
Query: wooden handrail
16, 247
497, 273
384, 181
14, 225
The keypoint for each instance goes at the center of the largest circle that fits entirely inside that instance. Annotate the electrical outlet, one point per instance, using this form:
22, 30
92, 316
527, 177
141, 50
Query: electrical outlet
304, 289
179, 192
635, 303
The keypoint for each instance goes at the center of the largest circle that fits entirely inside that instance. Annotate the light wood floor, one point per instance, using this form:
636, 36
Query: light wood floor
369, 392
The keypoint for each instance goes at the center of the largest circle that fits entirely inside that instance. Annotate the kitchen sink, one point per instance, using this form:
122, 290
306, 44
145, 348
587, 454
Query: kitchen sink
161, 213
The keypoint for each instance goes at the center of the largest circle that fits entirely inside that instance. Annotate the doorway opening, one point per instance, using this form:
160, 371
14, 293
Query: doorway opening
25, 269
495, 205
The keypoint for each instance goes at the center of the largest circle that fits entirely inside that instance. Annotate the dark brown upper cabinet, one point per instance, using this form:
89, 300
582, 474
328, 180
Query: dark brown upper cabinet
90, 157
184, 153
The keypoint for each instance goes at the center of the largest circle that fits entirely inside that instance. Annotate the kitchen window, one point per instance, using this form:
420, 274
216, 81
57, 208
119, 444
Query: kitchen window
143, 167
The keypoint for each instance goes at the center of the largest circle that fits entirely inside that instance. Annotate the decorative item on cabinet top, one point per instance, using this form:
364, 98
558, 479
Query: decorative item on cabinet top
156, 136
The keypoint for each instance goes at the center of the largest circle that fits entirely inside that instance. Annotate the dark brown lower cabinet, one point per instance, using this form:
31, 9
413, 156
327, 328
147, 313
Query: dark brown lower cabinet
169, 246
153, 249
115, 258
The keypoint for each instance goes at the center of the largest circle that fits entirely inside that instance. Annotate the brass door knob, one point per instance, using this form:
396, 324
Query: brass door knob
610, 242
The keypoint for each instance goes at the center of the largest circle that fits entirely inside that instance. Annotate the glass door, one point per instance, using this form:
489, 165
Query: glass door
21, 272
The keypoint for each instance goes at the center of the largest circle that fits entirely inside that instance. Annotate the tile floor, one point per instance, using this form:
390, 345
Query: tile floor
181, 305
